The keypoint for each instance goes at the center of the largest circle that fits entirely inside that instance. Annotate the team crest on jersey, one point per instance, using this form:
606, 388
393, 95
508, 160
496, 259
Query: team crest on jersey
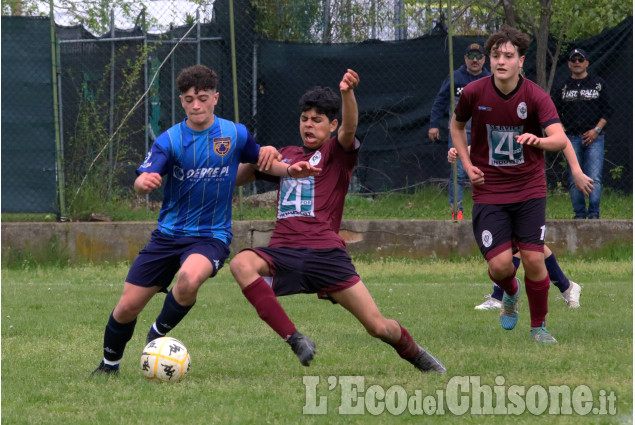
316, 158
222, 145
487, 238
521, 110
178, 173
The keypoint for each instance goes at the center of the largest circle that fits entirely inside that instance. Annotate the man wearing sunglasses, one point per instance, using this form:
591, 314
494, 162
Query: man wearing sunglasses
584, 107
472, 70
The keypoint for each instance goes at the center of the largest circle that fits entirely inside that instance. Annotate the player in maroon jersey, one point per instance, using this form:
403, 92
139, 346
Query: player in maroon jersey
306, 253
513, 121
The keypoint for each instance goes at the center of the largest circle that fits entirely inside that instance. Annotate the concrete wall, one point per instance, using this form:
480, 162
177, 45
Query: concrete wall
96, 242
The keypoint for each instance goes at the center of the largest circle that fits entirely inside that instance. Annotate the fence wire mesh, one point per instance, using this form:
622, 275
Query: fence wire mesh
116, 70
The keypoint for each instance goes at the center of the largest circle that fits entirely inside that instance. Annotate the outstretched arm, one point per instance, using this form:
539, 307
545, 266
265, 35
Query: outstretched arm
346, 132
266, 157
297, 170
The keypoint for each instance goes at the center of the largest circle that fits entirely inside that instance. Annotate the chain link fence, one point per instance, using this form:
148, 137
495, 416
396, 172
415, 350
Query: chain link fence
116, 93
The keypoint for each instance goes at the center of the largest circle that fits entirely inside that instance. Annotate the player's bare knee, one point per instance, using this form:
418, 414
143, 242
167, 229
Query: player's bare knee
240, 265
533, 263
126, 311
187, 285
378, 329
501, 270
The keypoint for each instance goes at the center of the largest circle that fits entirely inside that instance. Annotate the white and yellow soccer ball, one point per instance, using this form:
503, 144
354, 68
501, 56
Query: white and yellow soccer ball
165, 359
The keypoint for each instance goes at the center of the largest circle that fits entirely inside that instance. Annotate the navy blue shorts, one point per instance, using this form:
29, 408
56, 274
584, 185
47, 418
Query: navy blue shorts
498, 227
158, 262
308, 271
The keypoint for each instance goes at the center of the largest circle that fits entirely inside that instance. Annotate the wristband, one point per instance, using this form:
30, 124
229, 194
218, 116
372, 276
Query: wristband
598, 130
288, 172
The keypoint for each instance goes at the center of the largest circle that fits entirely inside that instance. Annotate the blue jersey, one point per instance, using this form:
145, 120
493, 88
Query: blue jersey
201, 171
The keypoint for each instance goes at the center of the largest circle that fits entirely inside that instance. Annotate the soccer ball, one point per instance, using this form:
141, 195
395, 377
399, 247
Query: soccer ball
165, 359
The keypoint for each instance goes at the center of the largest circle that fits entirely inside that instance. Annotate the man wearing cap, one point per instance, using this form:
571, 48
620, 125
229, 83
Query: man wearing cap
584, 108
472, 70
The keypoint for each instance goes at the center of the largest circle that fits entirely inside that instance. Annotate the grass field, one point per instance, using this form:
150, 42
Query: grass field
53, 321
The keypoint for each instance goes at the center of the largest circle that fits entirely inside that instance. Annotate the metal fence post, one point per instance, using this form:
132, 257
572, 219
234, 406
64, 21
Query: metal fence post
232, 36
145, 84
326, 17
56, 117
455, 209
198, 36
111, 109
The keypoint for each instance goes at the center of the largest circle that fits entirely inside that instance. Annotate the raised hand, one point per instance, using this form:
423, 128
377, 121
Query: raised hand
349, 81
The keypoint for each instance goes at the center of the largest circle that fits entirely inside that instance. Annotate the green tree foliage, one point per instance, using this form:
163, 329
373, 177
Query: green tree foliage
564, 21
94, 15
94, 159
291, 20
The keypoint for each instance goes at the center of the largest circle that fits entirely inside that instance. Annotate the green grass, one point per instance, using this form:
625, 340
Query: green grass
425, 203
53, 321
431, 203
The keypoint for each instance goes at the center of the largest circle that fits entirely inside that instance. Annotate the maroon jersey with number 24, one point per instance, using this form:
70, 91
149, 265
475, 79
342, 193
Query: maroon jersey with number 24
513, 172
310, 209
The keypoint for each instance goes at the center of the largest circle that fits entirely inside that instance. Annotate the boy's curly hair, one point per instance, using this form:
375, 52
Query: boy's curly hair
323, 100
198, 76
511, 34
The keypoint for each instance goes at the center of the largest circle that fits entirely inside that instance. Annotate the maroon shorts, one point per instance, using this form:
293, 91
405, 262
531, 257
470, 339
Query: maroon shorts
498, 227
308, 271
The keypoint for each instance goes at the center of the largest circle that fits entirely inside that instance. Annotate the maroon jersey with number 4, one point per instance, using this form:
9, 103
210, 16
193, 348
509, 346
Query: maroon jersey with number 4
513, 172
310, 209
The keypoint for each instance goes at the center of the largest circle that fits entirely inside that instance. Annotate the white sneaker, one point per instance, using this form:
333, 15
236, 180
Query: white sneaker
489, 304
572, 295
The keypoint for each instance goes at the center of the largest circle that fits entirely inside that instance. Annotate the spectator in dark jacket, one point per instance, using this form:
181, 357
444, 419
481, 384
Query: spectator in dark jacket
584, 108
472, 70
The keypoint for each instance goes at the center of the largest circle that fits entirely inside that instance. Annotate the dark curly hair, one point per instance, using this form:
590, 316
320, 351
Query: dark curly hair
323, 100
511, 34
198, 76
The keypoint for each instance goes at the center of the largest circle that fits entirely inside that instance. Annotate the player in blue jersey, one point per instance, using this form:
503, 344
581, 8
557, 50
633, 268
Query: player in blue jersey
199, 158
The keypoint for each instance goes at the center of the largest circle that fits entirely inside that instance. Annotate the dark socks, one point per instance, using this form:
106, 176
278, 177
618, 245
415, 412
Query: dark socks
116, 337
171, 314
556, 274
